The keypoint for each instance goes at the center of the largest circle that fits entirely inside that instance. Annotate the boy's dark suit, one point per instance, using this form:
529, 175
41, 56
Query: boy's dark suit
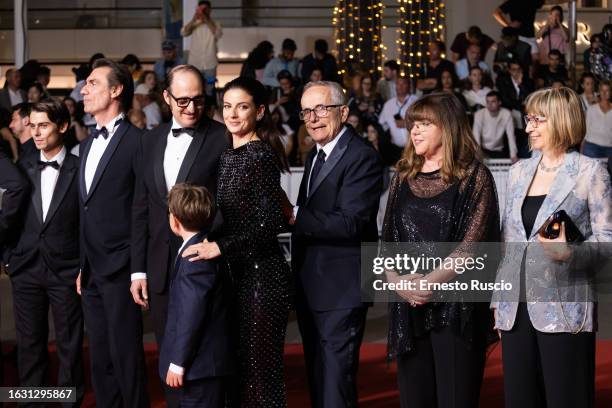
43, 264
197, 336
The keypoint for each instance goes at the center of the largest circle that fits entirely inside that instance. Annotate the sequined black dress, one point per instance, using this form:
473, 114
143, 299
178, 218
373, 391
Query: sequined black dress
425, 210
249, 197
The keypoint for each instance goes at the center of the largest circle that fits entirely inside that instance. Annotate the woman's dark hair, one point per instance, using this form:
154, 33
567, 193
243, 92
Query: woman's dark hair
260, 55
79, 111
56, 111
453, 75
131, 59
119, 75
284, 74
39, 87
264, 127
559, 9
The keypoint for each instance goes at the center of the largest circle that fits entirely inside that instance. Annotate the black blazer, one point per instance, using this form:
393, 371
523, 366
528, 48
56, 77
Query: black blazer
509, 97
331, 223
198, 332
5, 98
154, 245
57, 239
106, 212
15, 188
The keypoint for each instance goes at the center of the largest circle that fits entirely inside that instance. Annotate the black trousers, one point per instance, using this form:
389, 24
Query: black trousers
114, 332
159, 312
204, 393
331, 342
555, 370
442, 371
34, 290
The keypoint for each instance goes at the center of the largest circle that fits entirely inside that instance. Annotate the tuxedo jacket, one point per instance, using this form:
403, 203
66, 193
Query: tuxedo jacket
56, 240
333, 221
106, 211
198, 332
509, 97
154, 245
15, 188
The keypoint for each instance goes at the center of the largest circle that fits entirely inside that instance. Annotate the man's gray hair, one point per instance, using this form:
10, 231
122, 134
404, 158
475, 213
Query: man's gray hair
338, 97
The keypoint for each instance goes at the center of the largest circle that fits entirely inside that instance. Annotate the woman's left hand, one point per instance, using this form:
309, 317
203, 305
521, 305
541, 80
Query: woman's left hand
557, 249
203, 250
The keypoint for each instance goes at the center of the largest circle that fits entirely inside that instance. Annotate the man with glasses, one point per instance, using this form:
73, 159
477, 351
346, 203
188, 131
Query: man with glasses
335, 212
185, 150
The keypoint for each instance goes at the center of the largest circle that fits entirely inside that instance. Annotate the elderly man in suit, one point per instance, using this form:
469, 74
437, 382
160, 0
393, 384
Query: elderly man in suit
185, 150
336, 211
11, 94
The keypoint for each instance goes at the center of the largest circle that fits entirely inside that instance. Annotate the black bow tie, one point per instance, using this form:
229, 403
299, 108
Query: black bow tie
104, 131
100, 132
43, 164
177, 132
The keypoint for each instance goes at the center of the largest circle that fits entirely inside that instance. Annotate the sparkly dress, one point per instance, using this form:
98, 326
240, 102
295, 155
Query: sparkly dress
249, 197
426, 210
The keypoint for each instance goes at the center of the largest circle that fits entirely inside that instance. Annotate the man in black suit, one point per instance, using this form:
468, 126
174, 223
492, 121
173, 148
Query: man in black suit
336, 211
107, 179
11, 94
514, 88
43, 263
185, 150
20, 126
13, 191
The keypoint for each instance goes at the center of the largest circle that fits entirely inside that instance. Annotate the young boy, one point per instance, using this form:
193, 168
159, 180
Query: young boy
196, 352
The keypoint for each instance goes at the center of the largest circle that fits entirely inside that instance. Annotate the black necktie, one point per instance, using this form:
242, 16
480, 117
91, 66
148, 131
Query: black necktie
179, 131
100, 132
316, 169
43, 164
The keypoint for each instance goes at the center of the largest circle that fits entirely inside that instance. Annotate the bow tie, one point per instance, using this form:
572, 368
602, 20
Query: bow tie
103, 131
177, 132
43, 164
100, 132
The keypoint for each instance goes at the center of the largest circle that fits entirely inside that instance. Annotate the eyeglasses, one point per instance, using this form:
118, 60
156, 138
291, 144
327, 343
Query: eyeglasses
321, 111
184, 102
534, 120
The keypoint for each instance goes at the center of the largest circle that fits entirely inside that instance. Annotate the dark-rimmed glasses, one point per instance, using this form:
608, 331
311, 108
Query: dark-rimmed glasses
321, 111
184, 102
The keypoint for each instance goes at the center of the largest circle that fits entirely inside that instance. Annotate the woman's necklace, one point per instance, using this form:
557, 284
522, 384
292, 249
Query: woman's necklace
546, 169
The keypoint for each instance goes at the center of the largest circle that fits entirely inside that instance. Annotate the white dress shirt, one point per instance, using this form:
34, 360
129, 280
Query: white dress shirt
598, 126
479, 97
48, 180
399, 136
15, 97
489, 130
328, 148
176, 149
98, 146
176, 369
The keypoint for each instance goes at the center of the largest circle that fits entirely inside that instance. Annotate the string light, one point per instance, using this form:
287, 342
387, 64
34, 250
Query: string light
358, 35
419, 23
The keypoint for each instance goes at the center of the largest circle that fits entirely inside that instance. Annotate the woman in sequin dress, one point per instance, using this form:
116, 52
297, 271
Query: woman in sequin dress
441, 193
255, 210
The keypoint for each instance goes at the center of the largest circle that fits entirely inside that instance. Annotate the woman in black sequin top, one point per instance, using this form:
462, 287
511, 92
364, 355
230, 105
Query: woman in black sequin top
440, 193
252, 204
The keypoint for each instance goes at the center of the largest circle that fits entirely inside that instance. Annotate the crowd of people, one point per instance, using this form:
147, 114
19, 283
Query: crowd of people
153, 189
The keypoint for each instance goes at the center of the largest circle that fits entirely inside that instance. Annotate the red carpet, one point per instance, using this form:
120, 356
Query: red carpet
377, 381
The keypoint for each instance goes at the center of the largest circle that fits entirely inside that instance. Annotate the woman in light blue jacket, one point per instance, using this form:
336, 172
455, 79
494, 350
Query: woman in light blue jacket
547, 321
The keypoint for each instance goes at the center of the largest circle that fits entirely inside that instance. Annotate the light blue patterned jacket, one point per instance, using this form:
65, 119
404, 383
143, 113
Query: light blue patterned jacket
581, 188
